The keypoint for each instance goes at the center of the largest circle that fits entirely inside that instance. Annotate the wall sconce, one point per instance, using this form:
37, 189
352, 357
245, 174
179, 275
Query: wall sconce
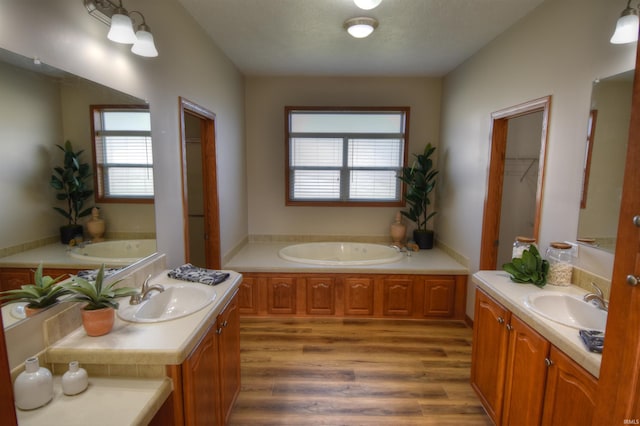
360, 27
626, 26
121, 26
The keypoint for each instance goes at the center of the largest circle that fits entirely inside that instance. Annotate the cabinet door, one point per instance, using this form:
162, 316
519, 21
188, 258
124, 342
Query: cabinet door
439, 297
281, 295
358, 296
248, 296
200, 382
320, 296
526, 375
13, 278
489, 353
398, 297
229, 357
570, 392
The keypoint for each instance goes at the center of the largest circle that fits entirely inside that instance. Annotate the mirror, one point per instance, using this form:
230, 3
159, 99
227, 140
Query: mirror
605, 157
40, 107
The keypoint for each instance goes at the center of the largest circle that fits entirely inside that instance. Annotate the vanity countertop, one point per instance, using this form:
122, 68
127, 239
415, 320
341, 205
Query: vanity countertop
102, 403
498, 285
162, 343
53, 255
263, 257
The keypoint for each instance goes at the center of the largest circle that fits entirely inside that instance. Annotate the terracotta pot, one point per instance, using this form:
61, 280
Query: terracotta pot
31, 311
98, 322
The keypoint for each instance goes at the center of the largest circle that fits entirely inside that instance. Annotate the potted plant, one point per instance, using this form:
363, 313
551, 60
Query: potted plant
420, 180
41, 294
70, 180
98, 315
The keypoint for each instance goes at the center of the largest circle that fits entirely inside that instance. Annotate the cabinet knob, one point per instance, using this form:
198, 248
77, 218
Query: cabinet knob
632, 280
636, 220
509, 327
219, 330
500, 320
548, 362
225, 323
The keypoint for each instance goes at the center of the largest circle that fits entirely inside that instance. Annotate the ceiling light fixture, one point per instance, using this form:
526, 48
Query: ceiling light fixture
367, 4
121, 26
626, 26
360, 27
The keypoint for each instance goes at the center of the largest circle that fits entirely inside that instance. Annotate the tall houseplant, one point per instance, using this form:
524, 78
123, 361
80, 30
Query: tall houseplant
420, 180
71, 181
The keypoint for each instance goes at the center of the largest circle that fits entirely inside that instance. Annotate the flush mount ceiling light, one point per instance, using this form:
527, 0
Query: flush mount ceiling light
121, 26
360, 27
367, 4
627, 26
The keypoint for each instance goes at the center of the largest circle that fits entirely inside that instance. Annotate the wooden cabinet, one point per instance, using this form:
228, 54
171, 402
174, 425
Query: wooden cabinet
11, 278
207, 383
520, 377
358, 295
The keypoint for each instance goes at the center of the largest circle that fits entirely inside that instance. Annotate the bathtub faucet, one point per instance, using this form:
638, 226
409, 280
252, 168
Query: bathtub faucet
401, 249
145, 292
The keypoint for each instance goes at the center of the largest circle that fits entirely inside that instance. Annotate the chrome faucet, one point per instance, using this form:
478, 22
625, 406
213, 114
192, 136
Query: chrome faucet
145, 292
401, 249
597, 298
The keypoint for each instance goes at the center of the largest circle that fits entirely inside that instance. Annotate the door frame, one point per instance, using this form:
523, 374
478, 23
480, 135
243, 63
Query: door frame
210, 181
493, 198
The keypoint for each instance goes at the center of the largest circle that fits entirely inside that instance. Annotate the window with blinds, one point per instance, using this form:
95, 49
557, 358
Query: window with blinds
123, 160
346, 156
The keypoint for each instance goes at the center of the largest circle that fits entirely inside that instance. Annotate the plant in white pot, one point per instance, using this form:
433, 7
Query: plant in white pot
420, 180
71, 181
98, 315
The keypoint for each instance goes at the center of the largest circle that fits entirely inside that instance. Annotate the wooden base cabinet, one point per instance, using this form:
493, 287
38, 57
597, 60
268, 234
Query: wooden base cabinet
207, 383
520, 377
12, 278
346, 295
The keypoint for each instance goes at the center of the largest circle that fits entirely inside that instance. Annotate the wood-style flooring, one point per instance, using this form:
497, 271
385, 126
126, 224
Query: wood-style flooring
356, 372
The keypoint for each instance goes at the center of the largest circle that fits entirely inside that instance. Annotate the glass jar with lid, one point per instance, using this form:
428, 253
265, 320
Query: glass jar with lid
520, 245
560, 264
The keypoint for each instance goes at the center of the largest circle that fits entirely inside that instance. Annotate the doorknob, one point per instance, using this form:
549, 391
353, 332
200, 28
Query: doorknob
636, 221
633, 280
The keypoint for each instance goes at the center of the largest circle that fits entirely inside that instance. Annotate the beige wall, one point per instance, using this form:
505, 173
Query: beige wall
266, 98
558, 50
62, 34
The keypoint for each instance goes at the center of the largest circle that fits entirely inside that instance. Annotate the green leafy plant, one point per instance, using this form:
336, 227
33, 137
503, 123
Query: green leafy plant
420, 180
531, 268
70, 180
96, 294
42, 293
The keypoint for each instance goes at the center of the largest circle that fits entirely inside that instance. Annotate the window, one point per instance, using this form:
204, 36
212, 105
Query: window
123, 161
345, 156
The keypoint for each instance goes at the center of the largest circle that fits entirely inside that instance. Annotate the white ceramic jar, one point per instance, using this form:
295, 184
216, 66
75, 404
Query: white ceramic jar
33, 387
75, 380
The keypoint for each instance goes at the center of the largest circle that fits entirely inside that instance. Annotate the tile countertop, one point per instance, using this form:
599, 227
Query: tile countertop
511, 295
54, 255
101, 403
263, 257
162, 343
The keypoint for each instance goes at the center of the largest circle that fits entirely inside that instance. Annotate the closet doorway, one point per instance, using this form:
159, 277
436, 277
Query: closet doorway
516, 175
199, 185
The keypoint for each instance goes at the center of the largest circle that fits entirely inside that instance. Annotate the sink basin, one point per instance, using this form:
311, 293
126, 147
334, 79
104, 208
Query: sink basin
176, 301
568, 310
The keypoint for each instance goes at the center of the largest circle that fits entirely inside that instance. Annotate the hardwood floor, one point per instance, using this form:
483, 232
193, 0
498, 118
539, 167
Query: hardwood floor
356, 372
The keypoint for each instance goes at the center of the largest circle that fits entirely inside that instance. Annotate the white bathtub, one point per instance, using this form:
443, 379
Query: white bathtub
338, 253
118, 252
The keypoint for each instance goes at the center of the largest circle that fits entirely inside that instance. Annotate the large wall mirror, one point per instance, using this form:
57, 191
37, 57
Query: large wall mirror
41, 107
607, 136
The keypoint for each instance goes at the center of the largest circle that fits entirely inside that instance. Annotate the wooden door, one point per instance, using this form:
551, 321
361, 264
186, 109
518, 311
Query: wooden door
281, 295
398, 297
248, 295
439, 297
619, 384
320, 296
489, 353
570, 394
229, 358
526, 375
358, 296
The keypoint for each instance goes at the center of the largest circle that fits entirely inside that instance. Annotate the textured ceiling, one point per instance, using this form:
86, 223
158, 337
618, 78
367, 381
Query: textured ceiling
306, 37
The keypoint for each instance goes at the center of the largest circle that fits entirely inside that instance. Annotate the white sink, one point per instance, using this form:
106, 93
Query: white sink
568, 310
176, 301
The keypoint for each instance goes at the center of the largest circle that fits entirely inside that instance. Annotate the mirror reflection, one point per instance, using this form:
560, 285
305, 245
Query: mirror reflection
42, 107
608, 133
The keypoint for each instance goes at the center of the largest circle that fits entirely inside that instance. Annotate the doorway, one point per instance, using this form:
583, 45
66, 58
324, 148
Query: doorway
516, 175
199, 186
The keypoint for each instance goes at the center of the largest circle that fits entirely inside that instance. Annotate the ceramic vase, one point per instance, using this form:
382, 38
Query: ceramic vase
75, 380
398, 230
33, 387
95, 226
98, 322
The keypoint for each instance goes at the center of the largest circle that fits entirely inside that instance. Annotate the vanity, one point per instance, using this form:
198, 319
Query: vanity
525, 365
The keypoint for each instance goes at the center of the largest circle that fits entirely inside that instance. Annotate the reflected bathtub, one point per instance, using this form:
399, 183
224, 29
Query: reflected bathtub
340, 253
118, 252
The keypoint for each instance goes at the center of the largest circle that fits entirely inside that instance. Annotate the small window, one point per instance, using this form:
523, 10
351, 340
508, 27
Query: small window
345, 156
123, 160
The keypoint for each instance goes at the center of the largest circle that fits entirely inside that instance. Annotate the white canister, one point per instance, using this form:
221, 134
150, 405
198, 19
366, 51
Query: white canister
75, 380
33, 387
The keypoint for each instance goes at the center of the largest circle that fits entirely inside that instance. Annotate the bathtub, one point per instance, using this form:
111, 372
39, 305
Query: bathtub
118, 252
340, 253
